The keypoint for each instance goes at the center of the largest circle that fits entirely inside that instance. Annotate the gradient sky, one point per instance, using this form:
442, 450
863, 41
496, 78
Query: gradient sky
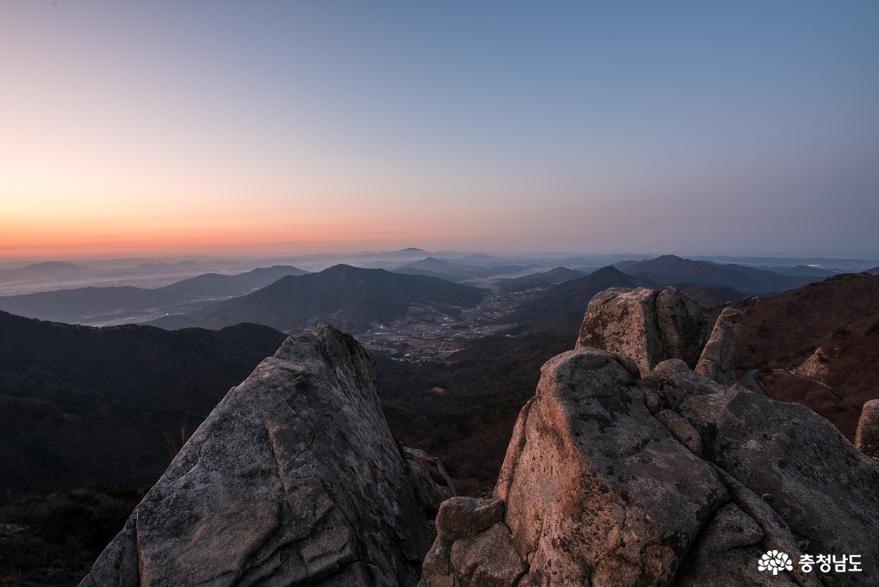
258, 127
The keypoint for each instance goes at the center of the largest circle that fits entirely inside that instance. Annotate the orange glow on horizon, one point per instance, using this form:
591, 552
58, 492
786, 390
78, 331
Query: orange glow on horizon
59, 241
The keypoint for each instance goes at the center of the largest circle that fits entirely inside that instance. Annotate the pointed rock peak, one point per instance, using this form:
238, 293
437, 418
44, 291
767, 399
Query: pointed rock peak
294, 478
717, 360
325, 341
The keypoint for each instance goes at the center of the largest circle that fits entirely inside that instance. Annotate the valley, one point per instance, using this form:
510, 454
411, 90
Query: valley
424, 333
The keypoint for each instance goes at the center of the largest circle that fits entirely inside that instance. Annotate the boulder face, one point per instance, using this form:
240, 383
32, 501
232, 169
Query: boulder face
867, 435
647, 325
717, 361
613, 479
294, 478
430, 481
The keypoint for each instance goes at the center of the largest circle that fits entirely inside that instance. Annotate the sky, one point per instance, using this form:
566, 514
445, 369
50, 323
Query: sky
254, 127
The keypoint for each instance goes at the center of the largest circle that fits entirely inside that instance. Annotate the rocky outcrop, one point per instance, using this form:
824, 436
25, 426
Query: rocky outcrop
430, 481
611, 479
293, 479
717, 361
816, 366
473, 547
647, 325
867, 435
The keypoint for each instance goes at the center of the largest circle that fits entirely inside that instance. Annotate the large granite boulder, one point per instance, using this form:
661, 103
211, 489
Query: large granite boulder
645, 324
293, 479
717, 359
611, 479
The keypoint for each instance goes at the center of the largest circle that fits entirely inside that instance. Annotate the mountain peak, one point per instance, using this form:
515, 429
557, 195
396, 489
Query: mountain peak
351, 297
608, 271
345, 269
671, 258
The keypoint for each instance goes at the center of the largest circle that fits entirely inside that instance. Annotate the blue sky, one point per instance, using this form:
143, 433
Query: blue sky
736, 128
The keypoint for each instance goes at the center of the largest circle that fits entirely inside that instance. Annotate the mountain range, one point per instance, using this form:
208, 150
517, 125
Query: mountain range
355, 299
559, 309
671, 269
352, 298
541, 279
103, 305
42, 270
463, 269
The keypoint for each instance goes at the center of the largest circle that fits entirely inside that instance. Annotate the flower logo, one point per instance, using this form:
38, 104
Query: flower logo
774, 560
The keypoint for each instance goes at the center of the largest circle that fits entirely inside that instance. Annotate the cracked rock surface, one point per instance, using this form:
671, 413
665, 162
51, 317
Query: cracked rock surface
867, 435
717, 358
293, 479
645, 324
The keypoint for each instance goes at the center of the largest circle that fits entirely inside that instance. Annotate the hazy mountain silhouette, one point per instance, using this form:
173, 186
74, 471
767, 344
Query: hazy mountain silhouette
542, 279
216, 285
85, 304
42, 271
670, 269
82, 406
709, 294
96, 305
559, 309
349, 297
801, 271
469, 267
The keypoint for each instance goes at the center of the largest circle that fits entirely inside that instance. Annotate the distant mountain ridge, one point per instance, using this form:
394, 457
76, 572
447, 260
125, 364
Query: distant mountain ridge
349, 297
542, 279
460, 269
97, 305
709, 295
42, 270
560, 308
214, 285
670, 269
801, 271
